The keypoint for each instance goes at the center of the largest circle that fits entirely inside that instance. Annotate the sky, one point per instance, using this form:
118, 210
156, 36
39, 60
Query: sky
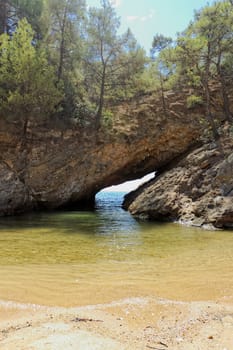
129, 185
147, 17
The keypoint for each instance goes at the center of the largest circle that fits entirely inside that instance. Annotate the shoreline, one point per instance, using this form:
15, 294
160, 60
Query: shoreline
133, 323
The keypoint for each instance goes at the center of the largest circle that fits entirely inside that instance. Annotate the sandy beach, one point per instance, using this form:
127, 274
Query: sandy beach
137, 323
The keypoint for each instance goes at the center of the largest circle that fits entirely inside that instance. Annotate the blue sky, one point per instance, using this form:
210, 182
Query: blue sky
148, 17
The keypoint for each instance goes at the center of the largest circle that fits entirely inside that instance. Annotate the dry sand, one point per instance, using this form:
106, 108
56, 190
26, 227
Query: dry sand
138, 323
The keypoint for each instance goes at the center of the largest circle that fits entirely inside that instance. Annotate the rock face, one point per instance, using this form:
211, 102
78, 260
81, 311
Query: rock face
47, 166
197, 191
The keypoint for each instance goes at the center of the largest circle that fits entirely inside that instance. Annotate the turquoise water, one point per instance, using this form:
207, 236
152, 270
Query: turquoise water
78, 258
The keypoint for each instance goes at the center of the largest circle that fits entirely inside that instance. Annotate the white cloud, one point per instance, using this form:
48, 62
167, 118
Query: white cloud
116, 3
145, 18
132, 18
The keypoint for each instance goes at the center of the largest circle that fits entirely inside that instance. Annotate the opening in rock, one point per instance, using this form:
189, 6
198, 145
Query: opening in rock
129, 186
114, 195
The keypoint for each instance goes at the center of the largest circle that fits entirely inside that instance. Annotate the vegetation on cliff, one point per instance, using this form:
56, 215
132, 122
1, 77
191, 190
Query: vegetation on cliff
27, 81
91, 63
201, 60
88, 66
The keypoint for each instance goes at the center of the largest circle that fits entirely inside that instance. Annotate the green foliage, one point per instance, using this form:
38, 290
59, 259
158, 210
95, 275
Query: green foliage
160, 42
194, 101
62, 21
27, 82
75, 62
83, 114
201, 56
30, 9
149, 79
89, 62
113, 63
11, 11
202, 49
107, 120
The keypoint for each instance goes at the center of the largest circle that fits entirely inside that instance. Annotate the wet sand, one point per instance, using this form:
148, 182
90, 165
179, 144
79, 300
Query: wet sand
129, 324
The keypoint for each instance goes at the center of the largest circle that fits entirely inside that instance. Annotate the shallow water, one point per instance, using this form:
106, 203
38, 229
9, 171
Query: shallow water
79, 258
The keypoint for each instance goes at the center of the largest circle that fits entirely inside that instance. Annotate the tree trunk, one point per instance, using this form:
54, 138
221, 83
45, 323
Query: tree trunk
3, 17
62, 45
162, 94
226, 103
102, 86
101, 98
205, 80
61, 59
209, 113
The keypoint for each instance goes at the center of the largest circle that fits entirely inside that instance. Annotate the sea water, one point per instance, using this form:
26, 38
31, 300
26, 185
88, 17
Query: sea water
89, 257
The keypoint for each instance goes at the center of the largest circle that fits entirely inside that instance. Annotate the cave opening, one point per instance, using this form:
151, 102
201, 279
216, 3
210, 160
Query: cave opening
113, 196
129, 186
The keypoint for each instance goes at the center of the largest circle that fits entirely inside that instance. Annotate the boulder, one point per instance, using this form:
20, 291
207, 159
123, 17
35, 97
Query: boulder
197, 191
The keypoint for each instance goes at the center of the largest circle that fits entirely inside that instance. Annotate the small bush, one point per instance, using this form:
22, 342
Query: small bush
107, 119
194, 101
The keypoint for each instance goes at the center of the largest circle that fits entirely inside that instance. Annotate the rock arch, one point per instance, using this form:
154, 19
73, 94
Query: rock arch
54, 168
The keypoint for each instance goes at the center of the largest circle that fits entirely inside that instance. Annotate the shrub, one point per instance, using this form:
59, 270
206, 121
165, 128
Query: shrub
194, 101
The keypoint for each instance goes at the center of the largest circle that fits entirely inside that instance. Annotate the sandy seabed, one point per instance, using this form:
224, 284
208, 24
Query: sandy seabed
136, 323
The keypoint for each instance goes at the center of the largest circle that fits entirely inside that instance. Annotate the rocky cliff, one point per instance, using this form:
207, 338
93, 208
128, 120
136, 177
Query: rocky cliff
46, 166
198, 190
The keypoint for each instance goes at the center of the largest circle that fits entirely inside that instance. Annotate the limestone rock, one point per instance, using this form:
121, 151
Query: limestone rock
52, 166
197, 191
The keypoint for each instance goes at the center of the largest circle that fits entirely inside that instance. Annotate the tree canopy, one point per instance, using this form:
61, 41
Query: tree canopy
201, 57
62, 57
90, 61
111, 61
27, 82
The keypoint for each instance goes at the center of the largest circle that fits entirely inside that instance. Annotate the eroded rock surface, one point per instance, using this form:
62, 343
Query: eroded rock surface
197, 191
54, 167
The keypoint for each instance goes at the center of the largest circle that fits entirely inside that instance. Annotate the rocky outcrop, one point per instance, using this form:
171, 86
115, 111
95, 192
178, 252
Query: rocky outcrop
197, 191
45, 166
